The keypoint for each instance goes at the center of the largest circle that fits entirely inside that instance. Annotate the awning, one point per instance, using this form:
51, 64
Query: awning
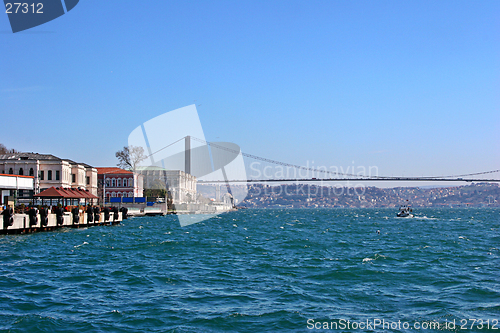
16, 182
65, 193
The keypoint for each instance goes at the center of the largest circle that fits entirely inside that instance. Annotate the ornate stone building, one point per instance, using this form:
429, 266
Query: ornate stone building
49, 170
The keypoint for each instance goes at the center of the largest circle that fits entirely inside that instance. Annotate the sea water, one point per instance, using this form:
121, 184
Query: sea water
294, 270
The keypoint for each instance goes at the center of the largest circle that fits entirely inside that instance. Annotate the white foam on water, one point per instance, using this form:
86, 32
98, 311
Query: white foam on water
77, 246
424, 218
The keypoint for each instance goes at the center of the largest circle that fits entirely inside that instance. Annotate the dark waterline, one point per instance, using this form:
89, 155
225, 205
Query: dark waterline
255, 271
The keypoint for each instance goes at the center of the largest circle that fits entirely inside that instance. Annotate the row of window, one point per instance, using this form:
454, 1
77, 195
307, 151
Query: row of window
120, 194
49, 175
23, 193
58, 176
21, 172
118, 182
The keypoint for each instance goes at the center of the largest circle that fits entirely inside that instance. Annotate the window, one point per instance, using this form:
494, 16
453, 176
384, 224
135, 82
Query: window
118, 182
125, 182
119, 194
21, 171
113, 182
107, 182
131, 194
113, 195
41, 175
31, 172
73, 178
49, 175
11, 172
87, 180
57, 175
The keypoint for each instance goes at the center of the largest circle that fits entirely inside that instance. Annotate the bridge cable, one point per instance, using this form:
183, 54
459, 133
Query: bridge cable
315, 169
331, 172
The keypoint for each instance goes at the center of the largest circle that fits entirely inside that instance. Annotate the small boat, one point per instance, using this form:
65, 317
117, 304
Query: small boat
405, 211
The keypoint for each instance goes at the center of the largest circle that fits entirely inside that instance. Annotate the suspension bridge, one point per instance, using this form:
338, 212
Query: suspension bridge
321, 175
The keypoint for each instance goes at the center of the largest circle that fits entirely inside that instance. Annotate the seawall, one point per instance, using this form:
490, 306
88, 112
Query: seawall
22, 225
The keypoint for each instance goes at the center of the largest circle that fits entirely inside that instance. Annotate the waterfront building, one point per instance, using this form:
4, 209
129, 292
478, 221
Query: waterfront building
11, 183
180, 185
119, 183
49, 170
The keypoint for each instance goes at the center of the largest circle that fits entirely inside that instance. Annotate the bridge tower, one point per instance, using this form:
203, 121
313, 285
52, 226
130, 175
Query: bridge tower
187, 154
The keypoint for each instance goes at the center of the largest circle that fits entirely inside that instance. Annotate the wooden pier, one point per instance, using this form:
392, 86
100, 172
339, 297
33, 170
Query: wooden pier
23, 225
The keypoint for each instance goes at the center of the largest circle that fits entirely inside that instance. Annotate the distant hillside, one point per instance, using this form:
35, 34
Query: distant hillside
302, 195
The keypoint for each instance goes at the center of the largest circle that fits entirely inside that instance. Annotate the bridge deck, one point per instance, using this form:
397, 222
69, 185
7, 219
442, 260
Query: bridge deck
399, 179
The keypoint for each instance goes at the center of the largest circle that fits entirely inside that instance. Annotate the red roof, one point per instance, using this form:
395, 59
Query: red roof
115, 170
67, 193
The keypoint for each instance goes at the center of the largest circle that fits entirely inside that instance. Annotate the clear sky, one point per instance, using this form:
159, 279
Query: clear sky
411, 87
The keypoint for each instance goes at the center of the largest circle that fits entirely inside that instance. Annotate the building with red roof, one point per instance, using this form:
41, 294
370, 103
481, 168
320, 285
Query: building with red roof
115, 182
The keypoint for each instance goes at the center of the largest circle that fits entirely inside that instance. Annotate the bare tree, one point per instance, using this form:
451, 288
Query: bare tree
4, 150
130, 157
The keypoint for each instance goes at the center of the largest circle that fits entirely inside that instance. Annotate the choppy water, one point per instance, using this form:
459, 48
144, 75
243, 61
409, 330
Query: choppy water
256, 271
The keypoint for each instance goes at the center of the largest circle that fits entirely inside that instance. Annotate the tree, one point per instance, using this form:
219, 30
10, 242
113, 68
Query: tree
4, 150
130, 157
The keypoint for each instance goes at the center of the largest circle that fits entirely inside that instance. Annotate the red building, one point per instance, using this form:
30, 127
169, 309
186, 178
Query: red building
114, 182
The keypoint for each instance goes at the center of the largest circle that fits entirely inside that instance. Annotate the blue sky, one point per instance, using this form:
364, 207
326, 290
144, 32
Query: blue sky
409, 87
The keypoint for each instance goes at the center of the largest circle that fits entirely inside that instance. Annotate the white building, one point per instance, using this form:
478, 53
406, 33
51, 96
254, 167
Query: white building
181, 185
49, 170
